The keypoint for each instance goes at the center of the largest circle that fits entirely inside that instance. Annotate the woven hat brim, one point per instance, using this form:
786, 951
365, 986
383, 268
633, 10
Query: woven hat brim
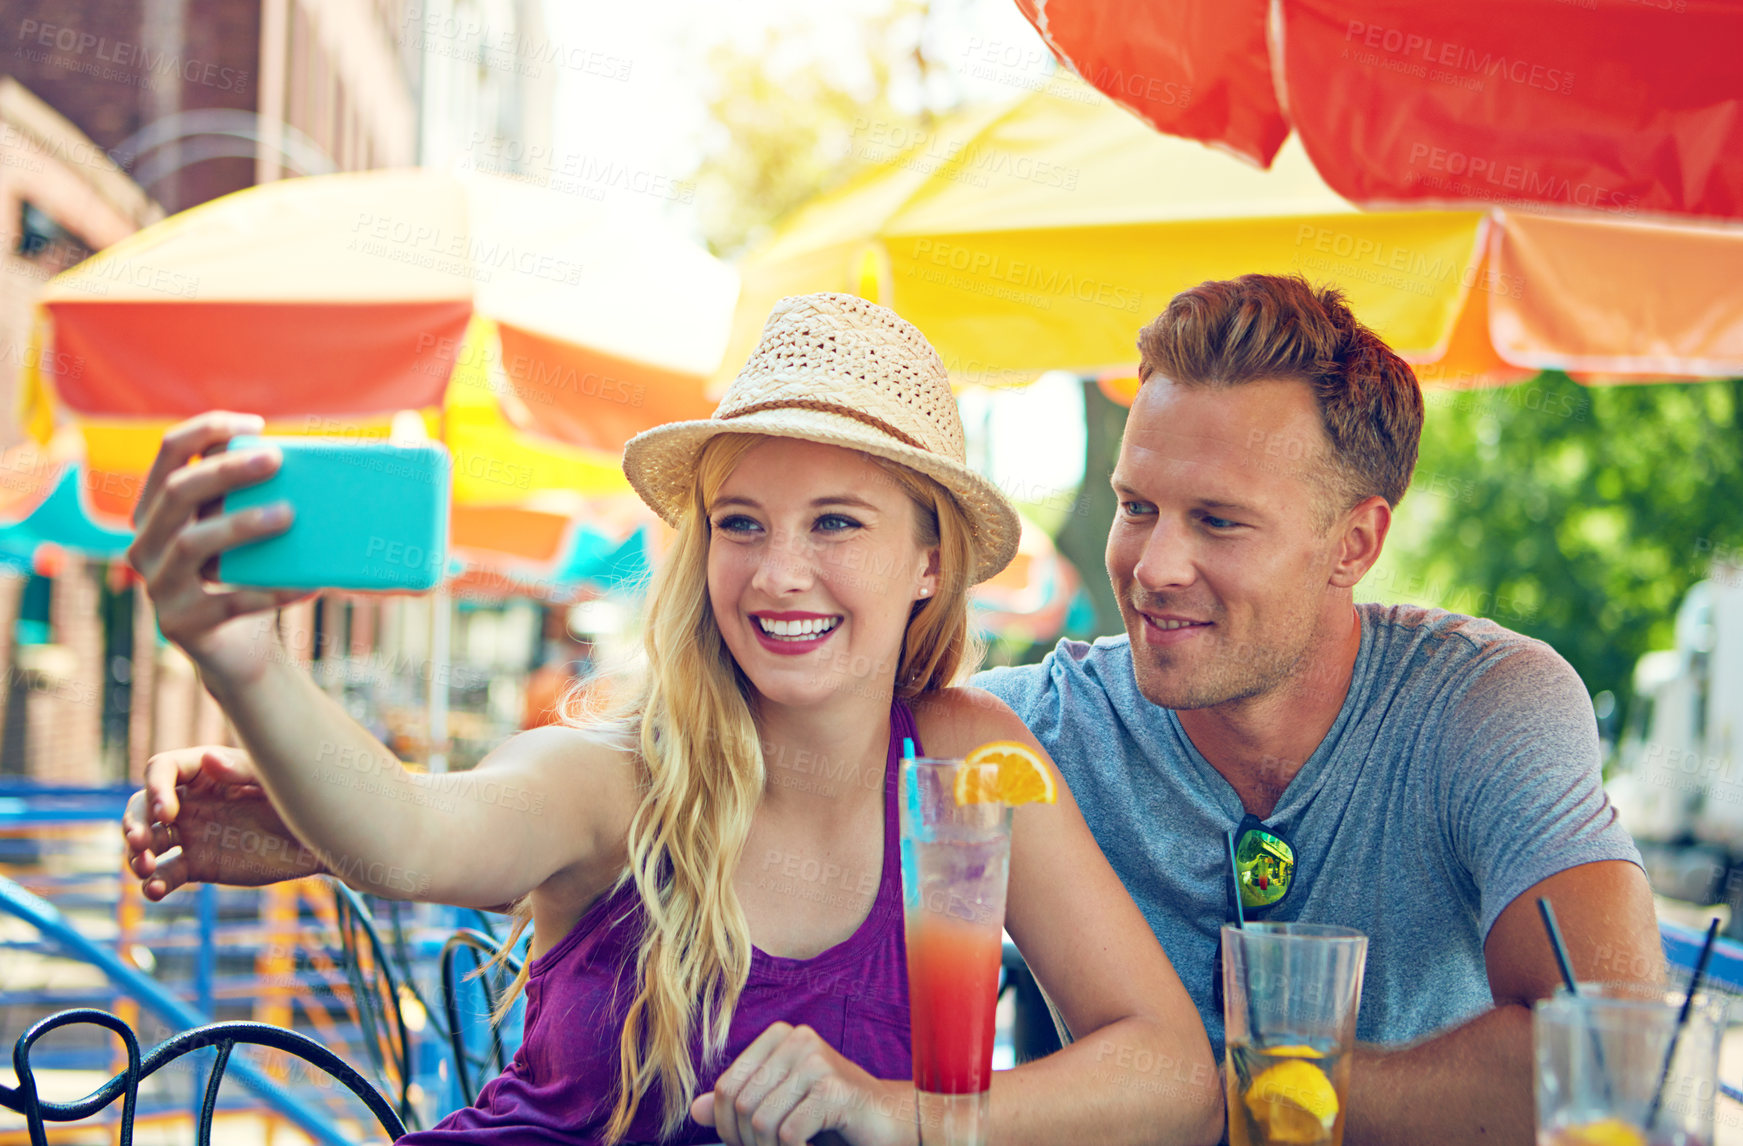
661, 463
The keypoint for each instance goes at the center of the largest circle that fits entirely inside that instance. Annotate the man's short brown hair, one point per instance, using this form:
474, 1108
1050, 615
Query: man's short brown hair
1266, 327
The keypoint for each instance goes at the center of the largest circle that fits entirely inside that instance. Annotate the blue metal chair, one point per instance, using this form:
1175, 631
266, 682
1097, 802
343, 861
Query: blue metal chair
24, 1099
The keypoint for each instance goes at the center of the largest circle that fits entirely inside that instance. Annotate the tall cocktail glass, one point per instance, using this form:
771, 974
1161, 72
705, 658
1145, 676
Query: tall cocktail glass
1290, 996
1599, 1059
956, 862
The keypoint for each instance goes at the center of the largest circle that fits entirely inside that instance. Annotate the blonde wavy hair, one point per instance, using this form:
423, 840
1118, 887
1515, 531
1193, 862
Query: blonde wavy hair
690, 717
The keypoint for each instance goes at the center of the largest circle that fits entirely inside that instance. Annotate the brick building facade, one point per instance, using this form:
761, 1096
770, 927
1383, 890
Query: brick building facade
199, 98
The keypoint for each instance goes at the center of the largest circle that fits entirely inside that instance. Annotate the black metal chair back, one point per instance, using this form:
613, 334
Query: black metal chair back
24, 1099
376, 990
493, 981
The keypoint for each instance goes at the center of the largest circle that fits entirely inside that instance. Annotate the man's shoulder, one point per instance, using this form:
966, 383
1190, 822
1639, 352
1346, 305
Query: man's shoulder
1416, 643
1104, 664
1441, 624
1476, 678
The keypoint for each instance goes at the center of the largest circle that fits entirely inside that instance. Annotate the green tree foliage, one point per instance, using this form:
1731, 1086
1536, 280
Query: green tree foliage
787, 124
1578, 516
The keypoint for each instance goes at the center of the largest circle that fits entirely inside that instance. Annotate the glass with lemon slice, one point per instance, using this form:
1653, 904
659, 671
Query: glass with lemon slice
1290, 996
1601, 1056
956, 859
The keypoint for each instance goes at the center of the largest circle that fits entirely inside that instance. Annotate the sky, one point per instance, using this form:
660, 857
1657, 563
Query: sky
645, 107
648, 108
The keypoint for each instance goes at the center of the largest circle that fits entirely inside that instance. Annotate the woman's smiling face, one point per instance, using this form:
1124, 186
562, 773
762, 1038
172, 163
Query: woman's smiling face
813, 567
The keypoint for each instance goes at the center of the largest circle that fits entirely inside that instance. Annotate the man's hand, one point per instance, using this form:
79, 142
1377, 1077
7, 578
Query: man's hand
791, 1087
203, 817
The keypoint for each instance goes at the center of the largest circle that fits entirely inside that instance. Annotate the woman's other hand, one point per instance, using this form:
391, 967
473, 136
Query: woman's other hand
176, 549
790, 1086
208, 802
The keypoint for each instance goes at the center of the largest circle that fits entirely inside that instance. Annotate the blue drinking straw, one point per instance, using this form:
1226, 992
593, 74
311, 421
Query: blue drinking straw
907, 747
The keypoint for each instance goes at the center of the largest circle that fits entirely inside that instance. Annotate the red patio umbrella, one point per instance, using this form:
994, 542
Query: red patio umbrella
1628, 107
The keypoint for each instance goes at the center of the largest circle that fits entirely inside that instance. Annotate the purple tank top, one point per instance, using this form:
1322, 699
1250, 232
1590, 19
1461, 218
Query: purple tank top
561, 1086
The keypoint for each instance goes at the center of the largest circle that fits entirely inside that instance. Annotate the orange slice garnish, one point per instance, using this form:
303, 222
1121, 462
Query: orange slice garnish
1005, 772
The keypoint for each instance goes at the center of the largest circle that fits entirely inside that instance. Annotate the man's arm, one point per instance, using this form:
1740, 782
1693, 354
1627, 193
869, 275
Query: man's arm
1474, 1082
205, 808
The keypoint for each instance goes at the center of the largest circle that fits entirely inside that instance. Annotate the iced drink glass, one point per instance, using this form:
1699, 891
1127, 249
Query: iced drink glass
956, 862
1290, 996
1599, 1059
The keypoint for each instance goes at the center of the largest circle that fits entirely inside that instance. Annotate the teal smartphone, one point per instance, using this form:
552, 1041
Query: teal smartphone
369, 515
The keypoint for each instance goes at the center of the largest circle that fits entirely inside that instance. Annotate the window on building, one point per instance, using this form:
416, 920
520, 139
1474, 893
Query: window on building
46, 242
35, 607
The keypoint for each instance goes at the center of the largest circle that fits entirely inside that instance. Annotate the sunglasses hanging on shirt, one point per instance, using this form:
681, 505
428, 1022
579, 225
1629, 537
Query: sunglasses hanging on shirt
1261, 874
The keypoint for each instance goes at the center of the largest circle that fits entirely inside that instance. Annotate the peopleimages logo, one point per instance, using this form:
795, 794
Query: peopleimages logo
1453, 61
1027, 282
129, 58
1477, 176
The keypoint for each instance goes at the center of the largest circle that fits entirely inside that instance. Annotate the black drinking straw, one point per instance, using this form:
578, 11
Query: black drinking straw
1573, 986
1682, 1020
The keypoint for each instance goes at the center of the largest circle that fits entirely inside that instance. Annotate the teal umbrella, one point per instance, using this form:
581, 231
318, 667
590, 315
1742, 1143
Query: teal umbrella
62, 519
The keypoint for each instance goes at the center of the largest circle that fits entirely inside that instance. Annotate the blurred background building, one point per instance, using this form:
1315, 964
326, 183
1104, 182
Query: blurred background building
114, 113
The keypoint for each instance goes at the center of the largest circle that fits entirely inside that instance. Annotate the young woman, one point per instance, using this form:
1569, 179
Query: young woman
712, 874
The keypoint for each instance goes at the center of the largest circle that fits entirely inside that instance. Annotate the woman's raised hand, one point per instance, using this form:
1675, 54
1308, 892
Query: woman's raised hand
791, 1087
175, 547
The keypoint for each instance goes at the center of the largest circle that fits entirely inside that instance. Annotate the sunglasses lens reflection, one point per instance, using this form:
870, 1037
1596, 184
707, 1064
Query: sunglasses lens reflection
1264, 865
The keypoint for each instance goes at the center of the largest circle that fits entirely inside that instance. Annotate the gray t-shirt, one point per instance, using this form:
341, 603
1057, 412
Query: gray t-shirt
1462, 769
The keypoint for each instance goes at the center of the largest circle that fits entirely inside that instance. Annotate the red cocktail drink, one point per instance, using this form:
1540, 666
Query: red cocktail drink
953, 984
956, 861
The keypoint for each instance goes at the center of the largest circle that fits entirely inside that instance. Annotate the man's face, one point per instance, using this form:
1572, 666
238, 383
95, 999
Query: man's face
1217, 551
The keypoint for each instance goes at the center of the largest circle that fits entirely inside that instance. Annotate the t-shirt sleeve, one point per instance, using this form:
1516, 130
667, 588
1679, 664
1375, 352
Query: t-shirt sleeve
1523, 789
1028, 689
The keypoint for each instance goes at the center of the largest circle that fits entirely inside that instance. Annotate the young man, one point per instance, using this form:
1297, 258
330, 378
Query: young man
1434, 774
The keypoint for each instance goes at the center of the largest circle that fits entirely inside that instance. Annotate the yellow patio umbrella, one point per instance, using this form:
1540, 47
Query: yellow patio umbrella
1044, 233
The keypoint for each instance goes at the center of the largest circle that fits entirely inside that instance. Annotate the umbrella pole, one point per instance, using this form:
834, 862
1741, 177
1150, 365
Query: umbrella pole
441, 617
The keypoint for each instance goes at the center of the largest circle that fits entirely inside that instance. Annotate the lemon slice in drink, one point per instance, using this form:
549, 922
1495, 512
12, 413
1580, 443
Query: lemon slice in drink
1293, 1102
1609, 1132
1005, 772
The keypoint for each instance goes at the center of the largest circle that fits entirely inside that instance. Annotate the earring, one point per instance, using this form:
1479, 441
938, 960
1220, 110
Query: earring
925, 592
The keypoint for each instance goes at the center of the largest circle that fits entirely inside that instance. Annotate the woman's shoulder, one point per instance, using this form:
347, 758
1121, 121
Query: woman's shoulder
598, 745
593, 767
953, 720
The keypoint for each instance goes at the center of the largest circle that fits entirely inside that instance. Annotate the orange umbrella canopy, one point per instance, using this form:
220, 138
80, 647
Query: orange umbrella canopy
349, 296
533, 331
1626, 108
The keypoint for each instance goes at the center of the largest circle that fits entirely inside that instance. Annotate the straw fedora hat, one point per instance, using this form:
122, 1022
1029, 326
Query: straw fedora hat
836, 369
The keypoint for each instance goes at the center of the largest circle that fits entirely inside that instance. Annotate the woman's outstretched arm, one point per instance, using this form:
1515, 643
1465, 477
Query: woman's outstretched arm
544, 802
